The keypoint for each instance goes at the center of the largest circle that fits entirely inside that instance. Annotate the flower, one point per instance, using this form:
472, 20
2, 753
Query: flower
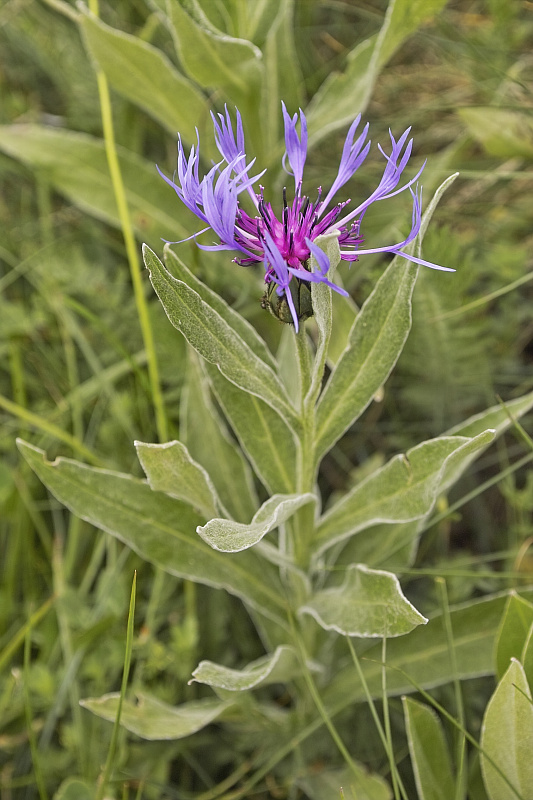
285, 245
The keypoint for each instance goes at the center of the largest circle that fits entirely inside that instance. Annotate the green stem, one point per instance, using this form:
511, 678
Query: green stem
303, 520
131, 248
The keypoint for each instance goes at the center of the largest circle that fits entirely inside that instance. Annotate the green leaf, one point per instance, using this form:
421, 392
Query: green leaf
424, 655
152, 719
267, 440
76, 165
212, 58
279, 667
405, 489
232, 537
369, 603
204, 432
144, 75
323, 310
74, 789
507, 738
503, 133
159, 528
513, 632
526, 658
215, 340
334, 103
495, 417
344, 314
375, 343
358, 783
170, 468
235, 320
429, 752
282, 74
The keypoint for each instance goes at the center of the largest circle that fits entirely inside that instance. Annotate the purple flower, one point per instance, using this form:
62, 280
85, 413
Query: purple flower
284, 244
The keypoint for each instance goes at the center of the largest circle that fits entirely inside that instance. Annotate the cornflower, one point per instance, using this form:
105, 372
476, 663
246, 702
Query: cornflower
285, 245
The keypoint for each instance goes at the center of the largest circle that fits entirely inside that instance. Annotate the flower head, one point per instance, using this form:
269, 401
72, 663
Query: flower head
284, 243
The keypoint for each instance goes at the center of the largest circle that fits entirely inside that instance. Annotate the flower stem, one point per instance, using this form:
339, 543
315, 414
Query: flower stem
303, 521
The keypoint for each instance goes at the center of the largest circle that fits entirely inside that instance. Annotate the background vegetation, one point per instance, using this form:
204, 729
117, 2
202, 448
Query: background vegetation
77, 372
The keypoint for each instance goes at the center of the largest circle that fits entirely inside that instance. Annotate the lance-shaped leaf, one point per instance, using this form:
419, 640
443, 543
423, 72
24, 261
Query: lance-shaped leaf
212, 58
430, 756
232, 537
152, 719
76, 165
170, 468
404, 489
334, 103
215, 340
144, 75
369, 603
495, 417
423, 658
507, 738
209, 442
325, 784
513, 632
503, 132
375, 343
279, 667
235, 320
159, 528
323, 310
266, 439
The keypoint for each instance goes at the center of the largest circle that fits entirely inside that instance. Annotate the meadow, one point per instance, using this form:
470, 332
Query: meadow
266, 527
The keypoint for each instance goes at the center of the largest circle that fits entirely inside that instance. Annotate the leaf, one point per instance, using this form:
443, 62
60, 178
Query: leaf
344, 314
358, 784
503, 133
424, 656
403, 490
282, 78
144, 75
170, 469
279, 667
76, 165
507, 737
526, 658
513, 632
74, 789
375, 343
429, 752
495, 417
334, 103
211, 336
232, 537
159, 528
267, 440
212, 58
369, 603
152, 719
323, 311
235, 320
204, 432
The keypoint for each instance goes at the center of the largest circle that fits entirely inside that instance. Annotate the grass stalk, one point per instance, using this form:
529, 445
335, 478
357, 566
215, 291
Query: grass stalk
106, 774
131, 247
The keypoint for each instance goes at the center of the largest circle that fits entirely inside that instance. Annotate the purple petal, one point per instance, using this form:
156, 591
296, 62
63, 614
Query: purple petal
351, 159
296, 147
228, 146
